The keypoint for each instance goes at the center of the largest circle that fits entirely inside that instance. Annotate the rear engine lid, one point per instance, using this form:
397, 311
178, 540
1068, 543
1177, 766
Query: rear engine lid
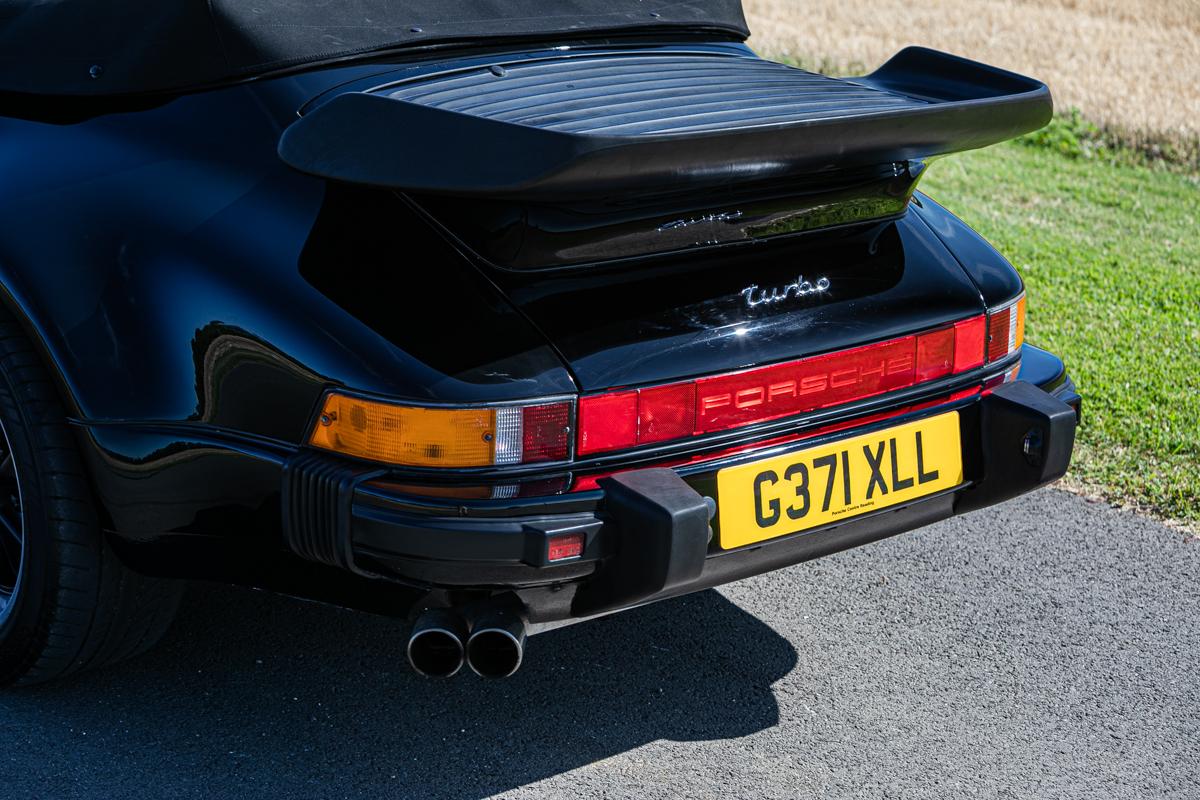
721, 310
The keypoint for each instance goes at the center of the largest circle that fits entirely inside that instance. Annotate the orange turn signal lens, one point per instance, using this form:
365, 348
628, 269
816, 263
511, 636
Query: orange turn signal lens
406, 435
416, 436
1006, 329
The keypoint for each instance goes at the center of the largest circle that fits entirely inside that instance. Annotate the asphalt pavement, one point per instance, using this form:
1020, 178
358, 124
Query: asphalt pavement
1044, 648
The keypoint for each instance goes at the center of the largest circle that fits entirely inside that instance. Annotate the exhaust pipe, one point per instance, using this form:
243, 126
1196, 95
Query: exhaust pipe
497, 643
435, 646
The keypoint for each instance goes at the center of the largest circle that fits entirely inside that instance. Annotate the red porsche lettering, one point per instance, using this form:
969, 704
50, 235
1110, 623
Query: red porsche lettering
784, 394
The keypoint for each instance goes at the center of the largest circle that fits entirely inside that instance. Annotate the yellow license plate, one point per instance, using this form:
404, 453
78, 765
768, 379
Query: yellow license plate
834, 482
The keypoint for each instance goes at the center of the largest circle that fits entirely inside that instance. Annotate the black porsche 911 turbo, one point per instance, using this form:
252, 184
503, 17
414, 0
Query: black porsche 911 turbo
492, 317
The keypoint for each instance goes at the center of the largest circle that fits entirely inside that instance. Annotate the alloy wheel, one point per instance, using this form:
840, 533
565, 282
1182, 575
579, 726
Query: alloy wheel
12, 528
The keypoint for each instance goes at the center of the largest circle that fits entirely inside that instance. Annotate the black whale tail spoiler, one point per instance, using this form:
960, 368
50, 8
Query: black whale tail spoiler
593, 157
599, 124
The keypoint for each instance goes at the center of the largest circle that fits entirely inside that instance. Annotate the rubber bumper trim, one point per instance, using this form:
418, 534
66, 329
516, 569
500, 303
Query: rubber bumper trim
316, 504
661, 528
1026, 440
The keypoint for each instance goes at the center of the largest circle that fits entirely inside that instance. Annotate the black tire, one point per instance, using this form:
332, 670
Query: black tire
73, 604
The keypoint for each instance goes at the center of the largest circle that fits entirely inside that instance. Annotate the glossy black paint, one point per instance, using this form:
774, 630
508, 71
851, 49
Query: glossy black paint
179, 234
995, 278
195, 296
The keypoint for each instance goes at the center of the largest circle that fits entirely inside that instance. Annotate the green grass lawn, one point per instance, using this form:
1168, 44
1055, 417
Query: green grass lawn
1111, 259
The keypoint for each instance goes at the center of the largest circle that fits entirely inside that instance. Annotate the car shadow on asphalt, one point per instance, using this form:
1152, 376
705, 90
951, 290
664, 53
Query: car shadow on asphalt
257, 692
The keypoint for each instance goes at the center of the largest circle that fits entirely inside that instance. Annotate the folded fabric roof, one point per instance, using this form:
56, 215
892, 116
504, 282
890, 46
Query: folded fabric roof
110, 47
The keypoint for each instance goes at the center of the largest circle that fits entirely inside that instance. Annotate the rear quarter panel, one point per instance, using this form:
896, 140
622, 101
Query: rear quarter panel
156, 256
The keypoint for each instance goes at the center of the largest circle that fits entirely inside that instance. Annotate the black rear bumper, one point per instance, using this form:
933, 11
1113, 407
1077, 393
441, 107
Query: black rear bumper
646, 534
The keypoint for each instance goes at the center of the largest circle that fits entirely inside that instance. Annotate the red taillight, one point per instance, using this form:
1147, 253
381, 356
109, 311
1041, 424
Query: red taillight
630, 418
970, 336
608, 422
935, 354
627, 419
544, 432
666, 412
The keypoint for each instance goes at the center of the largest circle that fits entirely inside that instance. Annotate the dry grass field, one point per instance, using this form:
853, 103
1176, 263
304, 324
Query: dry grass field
1131, 66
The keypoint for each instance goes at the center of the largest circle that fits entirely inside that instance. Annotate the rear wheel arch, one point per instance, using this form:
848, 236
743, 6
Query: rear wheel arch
72, 603
29, 318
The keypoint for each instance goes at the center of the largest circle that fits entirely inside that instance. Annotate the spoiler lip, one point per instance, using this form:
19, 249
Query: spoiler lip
936, 104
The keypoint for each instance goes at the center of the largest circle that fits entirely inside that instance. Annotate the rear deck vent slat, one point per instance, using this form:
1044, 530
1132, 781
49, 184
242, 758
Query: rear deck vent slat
648, 95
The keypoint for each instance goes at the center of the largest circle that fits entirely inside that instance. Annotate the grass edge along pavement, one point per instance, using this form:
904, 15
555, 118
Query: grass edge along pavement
1109, 251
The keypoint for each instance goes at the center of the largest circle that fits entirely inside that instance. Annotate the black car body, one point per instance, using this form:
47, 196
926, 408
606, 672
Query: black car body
502, 326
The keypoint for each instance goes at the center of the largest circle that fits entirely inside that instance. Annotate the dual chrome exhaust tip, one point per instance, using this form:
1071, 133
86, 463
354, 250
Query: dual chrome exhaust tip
436, 645
492, 644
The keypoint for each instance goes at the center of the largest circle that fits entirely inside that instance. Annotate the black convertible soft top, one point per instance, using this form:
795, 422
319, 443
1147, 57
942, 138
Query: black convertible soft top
106, 47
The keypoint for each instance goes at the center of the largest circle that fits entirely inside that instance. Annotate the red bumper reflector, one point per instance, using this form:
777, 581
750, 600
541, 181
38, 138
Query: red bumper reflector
628, 418
564, 546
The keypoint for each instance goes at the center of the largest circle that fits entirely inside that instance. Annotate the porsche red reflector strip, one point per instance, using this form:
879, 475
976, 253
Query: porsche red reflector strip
587, 483
970, 336
759, 395
666, 412
628, 418
935, 354
608, 422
